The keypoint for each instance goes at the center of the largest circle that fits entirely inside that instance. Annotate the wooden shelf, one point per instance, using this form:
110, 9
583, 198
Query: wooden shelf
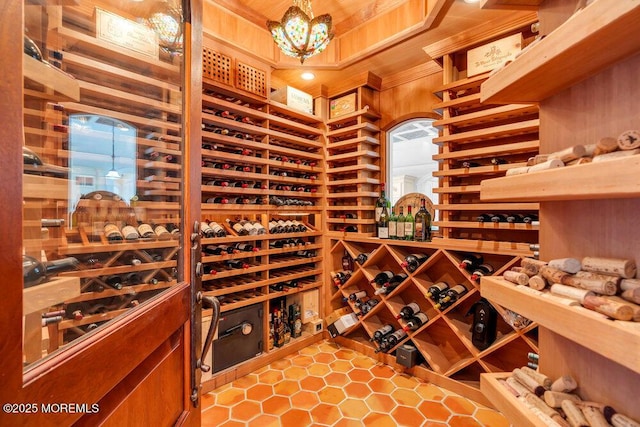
487, 225
601, 34
515, 411
44, 187
50, 293
489, 115
46, 77
496, 132
612, 339
499, 150
603, 180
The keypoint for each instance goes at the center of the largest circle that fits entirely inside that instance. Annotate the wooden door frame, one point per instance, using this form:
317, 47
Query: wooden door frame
76, 367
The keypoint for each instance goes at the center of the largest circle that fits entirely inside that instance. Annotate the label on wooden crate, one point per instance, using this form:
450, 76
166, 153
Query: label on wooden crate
343, 105
493, 55
125, 33
294, 98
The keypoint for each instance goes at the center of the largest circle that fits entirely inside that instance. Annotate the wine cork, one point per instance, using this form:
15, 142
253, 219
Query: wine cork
632, 295
569, 265
564, 384
610, 308
570, 292
634, 307
624, 268
589, 149
591, 275
627, 284
537, 159
555, 398
515, 277
540, 378
517, 171
568, 154
604, 409
574, 414
519, 388
539, 404
509, 388
619, 420
533, 265
615, 155
580, 161
604, 287
528, 382
629, 140
537, 282
517, 269
549, 164
553, 275
605, 145
594, 417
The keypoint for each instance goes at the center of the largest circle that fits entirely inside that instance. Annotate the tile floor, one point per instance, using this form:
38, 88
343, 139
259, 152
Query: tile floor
325, 385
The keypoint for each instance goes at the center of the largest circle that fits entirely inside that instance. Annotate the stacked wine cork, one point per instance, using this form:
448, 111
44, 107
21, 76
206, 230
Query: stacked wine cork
608, 148
606, 285
557, 403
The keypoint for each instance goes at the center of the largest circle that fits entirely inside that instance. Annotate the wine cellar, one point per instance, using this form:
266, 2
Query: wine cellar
450, 204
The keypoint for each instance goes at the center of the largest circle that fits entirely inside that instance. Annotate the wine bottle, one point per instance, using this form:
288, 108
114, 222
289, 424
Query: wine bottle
244, 247
408, 311
481, 270
436, 290
237, 227
413, 261
528, 219
301, 228
236, 263
381, 332
393, 225
367, 306
145, 230
498, 161
112, 233
248, 225
260, 229
133, 278
450, 296
347, 261
349, 229
305, 254
115, 281
499, 218
409, 224
35, 272
469, 164
484, 217
515, 218
130, 233
390, 341
382, 225
295, 320
400, 225
212, 249
218, 230
354, 296
162, 232
416, 321
381, 203
363, 257
382, 277
423, 223
275, 228
174, 230
470, 262
341, 277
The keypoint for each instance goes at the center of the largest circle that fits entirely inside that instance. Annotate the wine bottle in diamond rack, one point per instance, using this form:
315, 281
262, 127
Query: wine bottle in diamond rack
413, 261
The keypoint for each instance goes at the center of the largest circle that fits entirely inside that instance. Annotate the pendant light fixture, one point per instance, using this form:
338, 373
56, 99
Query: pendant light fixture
113, 173
299, 34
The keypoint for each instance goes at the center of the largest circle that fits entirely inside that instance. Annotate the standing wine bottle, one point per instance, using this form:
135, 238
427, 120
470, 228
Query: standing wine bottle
436, 290
382, 225
409, 225
408, 311
393, 225
416, 321
400, 225
347, 261
423, 223
413, 261
450, 296
381, 332
383, 277
381, 203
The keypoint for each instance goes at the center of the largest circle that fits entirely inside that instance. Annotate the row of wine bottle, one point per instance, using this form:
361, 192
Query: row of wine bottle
245, 227
132, 232
401, 227
284, 326
494, 161
259, 185
511, 218
243, 151
475, 265
246, 247
208, 163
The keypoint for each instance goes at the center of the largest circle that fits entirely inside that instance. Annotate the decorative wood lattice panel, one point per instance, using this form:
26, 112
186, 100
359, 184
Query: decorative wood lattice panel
251, 79
216, 66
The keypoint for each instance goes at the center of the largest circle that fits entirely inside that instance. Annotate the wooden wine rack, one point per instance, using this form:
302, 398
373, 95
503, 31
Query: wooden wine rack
444, 343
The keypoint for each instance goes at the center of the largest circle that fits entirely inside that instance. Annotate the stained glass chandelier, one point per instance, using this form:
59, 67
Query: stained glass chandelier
299, 34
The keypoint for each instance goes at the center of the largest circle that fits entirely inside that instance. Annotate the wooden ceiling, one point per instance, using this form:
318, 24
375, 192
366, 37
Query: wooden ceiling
433, 22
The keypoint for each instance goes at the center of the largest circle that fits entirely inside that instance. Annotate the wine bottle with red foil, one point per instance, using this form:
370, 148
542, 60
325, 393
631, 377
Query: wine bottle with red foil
236, 263
480, 271
470, 262
413, 261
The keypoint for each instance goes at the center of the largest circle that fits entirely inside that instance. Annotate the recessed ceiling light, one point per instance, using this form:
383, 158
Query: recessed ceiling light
471, 1
308, 76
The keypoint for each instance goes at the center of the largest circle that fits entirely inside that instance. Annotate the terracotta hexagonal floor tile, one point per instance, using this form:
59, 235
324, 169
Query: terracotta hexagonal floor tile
286, 387
434, 410
295, 373
233, 424
319, 369
270, 377
348, 422
296, 417
265, 421
382, 371
215, 416
207, 400
434, 424
361, 375
376, 419
463, 421
430, 392
406, 416
244, 411
311, 350
380, 403
230, 397
357, 390
459, 405
340, 366
324, 358
276, 405
246, 381
302, 361
363, 362
259, 392
336, 378
332, 395
304, 400
345, 354
325, 414
280, 364
353, 408
381, 385
312, 383
328, 347
490, 418
405, 381
406, 397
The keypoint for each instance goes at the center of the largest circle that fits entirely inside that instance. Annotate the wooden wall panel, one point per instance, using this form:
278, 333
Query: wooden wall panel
409, 99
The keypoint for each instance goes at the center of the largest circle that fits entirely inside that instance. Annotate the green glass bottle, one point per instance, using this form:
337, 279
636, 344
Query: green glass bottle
423, 223
383, 223
409, 223
380, 203
393, 224
400, 225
